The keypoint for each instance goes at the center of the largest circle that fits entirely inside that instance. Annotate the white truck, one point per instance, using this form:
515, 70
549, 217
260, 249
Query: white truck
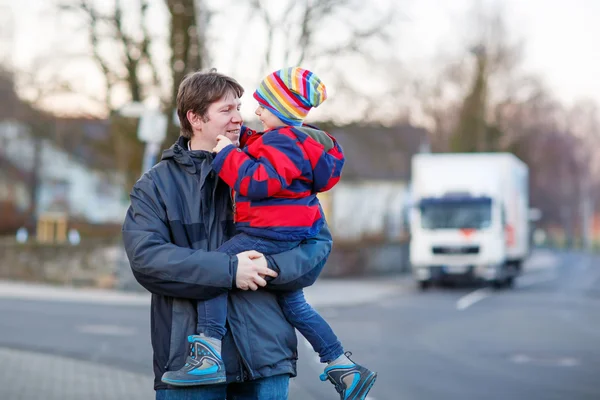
469, 217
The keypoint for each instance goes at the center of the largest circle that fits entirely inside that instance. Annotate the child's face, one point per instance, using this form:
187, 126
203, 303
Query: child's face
268, 119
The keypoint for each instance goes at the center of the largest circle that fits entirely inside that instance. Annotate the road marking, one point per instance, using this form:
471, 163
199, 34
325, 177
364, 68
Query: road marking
523, 281
467, 301
108, 330
545, 361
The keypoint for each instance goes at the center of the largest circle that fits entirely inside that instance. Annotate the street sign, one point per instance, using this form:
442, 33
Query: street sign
152, 127
132, 110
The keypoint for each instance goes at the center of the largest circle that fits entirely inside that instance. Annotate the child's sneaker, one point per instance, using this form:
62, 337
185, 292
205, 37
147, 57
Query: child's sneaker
352, 381
204, 365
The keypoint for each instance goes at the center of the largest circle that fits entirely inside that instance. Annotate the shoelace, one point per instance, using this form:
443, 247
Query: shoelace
191, 356
325, 376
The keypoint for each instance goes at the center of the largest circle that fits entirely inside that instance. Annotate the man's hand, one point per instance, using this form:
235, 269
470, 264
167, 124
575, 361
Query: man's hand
222, 142
251, 271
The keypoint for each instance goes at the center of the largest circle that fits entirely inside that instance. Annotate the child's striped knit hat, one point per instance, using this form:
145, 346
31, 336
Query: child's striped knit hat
290, 93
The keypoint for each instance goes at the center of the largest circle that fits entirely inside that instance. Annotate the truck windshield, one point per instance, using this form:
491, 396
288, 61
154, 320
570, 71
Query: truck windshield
456, 214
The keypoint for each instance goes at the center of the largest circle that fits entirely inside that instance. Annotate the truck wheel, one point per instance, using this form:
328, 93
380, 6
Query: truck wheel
509, 282
424, 285
498, 284
518, 267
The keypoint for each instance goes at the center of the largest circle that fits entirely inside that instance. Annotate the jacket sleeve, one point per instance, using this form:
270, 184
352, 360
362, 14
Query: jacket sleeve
328, 168
301, 266
264, 168
162, 267
245, 134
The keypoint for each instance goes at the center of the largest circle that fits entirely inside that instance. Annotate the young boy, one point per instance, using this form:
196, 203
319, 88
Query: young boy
275, 176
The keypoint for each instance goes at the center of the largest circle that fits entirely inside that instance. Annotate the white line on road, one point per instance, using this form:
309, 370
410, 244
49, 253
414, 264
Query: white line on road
467, 301
524, 281
108, 330
545, 361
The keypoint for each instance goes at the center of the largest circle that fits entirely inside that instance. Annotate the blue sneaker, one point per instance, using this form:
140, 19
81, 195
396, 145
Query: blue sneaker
352, 381
204, 366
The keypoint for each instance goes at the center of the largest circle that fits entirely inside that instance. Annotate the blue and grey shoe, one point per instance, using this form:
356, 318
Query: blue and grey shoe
352, 381
204, 366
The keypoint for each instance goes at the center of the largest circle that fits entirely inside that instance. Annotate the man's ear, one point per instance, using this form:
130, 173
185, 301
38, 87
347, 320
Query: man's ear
194, 119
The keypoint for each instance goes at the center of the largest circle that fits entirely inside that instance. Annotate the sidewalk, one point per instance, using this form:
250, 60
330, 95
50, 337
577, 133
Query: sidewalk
31, 375
324, 293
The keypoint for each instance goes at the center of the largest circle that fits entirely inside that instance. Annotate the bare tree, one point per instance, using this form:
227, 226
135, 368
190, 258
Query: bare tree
121, 45
129, 64
437, 100
132, 44
538, 131
496, 57
189, 20
584, 121
300, 28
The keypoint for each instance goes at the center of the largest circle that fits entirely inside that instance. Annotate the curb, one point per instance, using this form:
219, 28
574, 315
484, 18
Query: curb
324, 293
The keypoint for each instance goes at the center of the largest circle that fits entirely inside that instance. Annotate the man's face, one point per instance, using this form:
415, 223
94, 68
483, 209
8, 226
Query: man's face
223, 118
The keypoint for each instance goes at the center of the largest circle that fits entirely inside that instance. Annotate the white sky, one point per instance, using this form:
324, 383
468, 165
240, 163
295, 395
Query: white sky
560, 35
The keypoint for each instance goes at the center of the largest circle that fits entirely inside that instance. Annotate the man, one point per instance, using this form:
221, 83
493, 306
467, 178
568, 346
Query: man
180, 213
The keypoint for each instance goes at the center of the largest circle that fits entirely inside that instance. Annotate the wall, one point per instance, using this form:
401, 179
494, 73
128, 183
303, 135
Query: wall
365, 210
90, 264
104, 265
367, 260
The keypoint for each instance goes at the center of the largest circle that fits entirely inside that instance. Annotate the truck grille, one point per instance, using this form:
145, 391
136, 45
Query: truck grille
455, 249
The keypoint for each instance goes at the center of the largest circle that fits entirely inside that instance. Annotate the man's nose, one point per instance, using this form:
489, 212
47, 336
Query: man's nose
237, 117
257, 111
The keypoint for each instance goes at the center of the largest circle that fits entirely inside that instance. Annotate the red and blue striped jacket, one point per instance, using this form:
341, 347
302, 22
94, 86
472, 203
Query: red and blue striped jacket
276, 175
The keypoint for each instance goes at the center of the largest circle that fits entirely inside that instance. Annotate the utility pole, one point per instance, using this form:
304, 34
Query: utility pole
35, 181
586, 211
7, 36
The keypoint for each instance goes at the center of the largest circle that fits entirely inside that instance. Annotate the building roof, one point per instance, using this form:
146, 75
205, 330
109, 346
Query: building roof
378, 152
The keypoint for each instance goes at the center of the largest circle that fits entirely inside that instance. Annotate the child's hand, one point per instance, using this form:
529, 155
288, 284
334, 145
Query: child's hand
222, 142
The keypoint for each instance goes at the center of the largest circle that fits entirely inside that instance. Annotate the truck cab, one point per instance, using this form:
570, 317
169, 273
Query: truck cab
458, 237
465, 219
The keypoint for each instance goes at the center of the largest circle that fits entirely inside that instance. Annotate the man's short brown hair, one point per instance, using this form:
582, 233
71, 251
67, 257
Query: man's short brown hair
198, 91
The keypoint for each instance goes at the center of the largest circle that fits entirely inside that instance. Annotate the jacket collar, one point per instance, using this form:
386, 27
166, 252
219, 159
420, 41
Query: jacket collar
189, 160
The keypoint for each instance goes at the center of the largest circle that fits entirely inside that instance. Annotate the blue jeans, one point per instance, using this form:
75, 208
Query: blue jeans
272, 388
212, 314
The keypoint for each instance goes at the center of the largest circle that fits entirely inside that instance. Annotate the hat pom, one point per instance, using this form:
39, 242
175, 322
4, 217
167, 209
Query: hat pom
307, 85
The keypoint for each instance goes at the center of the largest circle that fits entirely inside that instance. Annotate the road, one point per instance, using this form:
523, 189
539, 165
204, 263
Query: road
540, 340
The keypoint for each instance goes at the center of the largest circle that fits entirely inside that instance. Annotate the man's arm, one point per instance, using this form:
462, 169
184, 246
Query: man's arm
166, 269
159, 265
301, 266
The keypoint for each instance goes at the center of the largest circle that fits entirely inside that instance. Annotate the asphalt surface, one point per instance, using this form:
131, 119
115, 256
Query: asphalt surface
540, 340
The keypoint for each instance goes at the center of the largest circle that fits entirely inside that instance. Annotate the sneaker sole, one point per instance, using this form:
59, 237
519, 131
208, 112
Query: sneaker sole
197, 382
362, 394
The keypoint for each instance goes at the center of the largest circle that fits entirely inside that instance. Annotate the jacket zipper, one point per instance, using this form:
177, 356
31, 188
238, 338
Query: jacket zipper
232, 195
245, 369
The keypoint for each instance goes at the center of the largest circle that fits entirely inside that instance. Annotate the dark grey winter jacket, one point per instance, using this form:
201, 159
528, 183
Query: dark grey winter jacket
180, 213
